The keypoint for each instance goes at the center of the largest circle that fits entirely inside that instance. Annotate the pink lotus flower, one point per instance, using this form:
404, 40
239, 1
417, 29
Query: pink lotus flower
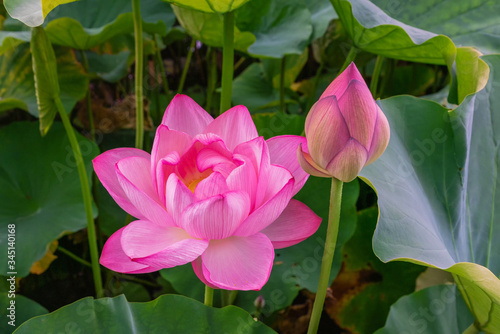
212, 193
345, 130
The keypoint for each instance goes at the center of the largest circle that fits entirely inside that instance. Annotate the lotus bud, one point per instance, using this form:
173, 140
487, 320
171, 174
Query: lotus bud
345, 130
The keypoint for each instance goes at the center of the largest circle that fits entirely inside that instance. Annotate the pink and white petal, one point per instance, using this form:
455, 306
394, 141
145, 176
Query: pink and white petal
283, 152
216, 217
160, 246
308, 165
213, 185
134, 177
256, 151
185, 115
210, 158
104, 166
113, 257
264, 215
164, 168
198, 270
167, 141
244, 178
271, 180
326, 131
360, 111
238, 263
177, 197
235, 126
295, 224
380, 139
339, 85
348, 163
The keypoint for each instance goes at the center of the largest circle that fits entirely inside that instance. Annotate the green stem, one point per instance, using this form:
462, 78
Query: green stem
139, 60
282, 84
89, 100
186, 66
326, 263
87, 198
211, 77
209, 296
163, 74
388, 73
227, 62
74, 256
376, 76
472, 329
353, 52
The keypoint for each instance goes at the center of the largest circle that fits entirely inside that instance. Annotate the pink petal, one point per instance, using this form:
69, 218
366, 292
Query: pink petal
308, 165
213, 185
360, 111
348, 163
134, 177
235, 126
113, 257
238, 263
185, 115
295, 224
326, 131
165, 167
271, 180
339, 85
256, 151
198, 270
177, 197
160, 246
210, 158
283, 152
104, 166
244, 178
167, 141
380, 139
216, 217
268, 212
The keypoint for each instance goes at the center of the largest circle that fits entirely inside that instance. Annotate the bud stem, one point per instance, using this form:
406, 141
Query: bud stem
209, 296
326, 263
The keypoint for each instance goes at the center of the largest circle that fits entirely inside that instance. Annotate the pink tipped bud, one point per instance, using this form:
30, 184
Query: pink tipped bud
345, 129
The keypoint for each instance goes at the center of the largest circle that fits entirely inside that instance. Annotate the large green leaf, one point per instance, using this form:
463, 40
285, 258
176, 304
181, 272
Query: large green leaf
24, 309
437, 184
210, 6
87, 23
46, 80
10, 39
372, 30
32, 12
322, 13
468, 23
169, 314
208, 27
17, 85
280, 26
40, 190
435, 310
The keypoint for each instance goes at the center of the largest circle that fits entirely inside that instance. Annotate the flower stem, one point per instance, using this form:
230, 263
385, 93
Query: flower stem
89, 100
353, 52
376, 76
209, 296
139, 60
326, 263
87, 198
161, 66
186, 66
282, 84
227, 62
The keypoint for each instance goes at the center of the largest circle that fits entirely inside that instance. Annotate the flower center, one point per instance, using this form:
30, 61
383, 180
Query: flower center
191, 183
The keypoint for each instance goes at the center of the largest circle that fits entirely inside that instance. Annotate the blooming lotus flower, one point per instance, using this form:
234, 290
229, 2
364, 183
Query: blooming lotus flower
212, 193
345, 130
